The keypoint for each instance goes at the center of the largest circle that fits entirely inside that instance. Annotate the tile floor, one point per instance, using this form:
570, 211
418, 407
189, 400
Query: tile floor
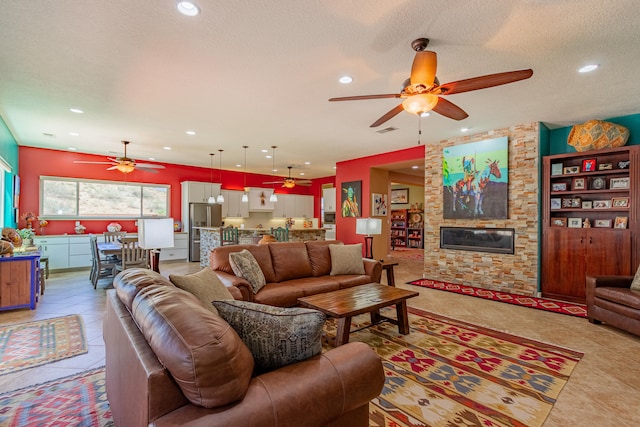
604, 389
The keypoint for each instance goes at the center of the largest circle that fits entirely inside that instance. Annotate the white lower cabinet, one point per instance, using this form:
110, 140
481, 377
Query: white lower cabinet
56, 249
79, 251
180, 249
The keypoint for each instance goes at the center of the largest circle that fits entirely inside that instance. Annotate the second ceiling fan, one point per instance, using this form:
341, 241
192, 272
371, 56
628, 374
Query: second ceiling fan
422, 92
290, 182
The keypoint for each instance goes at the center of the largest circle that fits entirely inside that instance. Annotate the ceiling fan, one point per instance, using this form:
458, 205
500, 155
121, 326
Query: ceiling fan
290, 182
126, 164
422, 91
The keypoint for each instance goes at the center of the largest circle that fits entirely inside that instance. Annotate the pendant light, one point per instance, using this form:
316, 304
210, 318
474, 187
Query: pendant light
220, 198
273, 198
211, 200
245, 195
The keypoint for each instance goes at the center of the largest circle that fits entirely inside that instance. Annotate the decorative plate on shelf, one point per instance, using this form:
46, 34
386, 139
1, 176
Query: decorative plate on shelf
416, 217
598, 183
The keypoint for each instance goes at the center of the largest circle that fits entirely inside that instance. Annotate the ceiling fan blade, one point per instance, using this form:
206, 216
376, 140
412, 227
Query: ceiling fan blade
389, 115
149, 166
449, 109
146, 169
423, 70
93, 163
483, 82
274, 182
112, 168
360, 97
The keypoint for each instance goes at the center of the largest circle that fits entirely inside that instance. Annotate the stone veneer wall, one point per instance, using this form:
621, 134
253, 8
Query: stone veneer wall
516, 273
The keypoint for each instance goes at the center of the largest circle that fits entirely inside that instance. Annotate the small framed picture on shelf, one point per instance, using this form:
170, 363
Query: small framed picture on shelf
620, 222
601, 204
559, 186
571, 170
605, 166
598, 183
620, 202
624, 164
602, 223
558, 222
576, 202
556, 203
619, 183
579, 184
588, 165
587, 204
574, 223
556, 169
566, 203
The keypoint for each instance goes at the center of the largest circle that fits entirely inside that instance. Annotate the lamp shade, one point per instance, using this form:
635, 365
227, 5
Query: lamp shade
368, 226
155, 233
419, 104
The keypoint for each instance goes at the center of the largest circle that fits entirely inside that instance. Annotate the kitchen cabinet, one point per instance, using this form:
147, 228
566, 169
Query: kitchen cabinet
259, 200
293, 206
303, 206
199, 192
180, 249
56, 248
79, 251
590, 219
233, 206
329, 199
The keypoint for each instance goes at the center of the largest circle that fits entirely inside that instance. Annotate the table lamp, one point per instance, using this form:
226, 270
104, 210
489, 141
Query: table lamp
153, 235
368, 227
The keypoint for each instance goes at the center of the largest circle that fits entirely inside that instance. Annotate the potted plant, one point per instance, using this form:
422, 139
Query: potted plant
27, 235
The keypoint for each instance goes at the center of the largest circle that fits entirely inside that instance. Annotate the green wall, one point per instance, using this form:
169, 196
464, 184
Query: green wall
558, 137
9, 153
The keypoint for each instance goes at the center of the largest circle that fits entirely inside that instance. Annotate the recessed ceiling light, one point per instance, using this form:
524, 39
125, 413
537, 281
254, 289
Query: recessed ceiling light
188, 8
190, 132
268, 156
76, 110
345, 80
274, 170
307, 163
414, 167
301, 173
151, 158
74, 134
464, 129
588, 68
72, 148
335, 167
264, 151
167, 148
238, 165
425, 114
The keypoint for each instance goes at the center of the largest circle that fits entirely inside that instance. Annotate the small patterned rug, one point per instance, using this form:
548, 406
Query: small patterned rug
77, 400
449, 373
25, 345
562, 307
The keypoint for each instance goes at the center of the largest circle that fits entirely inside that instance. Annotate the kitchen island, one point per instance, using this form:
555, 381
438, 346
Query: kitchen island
210, 238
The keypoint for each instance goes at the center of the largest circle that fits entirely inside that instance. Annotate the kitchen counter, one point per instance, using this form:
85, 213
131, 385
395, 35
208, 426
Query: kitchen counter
210, 238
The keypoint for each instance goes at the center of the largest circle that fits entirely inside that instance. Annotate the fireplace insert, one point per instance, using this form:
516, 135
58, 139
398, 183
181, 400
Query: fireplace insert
497, 240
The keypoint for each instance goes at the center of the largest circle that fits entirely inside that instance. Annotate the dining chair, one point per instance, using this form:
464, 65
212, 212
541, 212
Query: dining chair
281, 234
113, 236
100, 267
229, 236
132, 255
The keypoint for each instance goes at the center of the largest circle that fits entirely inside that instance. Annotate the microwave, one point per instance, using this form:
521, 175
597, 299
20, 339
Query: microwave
329, 218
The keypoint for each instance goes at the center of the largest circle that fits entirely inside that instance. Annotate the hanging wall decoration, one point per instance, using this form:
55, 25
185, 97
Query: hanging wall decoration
351, 196
475, 178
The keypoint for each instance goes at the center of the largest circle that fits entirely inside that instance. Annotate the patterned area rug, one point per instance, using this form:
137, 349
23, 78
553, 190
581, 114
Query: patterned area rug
77, 400
25, 345
448, 373
578, 310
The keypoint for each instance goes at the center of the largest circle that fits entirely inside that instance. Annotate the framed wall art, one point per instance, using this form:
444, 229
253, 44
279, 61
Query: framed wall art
378, 204
616, 183
620, 202
574, 223
588, 165
399, 196
579, 184
350, 200
620, 222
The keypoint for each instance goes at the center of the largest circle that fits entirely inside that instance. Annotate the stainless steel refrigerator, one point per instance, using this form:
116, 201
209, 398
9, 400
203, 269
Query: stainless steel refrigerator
201, 215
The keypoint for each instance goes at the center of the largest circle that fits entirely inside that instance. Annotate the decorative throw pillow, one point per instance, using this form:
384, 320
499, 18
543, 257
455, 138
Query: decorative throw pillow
244, 265
346, 259
205, 285
275, 336
635, 285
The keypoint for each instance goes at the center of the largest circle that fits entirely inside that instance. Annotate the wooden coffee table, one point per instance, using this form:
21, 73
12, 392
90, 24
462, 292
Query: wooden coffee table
346, 303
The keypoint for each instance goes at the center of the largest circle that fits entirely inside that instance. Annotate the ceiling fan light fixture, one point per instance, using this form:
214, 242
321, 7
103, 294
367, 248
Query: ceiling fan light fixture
289, 183
420, 104
125, 168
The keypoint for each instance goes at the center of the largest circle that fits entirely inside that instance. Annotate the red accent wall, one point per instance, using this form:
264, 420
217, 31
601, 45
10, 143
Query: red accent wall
358, 170
35, 162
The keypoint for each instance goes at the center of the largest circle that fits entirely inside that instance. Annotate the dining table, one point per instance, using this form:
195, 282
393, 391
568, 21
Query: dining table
110, 248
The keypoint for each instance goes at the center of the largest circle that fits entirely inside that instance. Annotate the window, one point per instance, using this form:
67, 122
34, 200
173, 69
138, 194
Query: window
92, 199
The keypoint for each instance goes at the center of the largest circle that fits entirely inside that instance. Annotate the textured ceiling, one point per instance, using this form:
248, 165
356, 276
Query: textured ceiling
259, 73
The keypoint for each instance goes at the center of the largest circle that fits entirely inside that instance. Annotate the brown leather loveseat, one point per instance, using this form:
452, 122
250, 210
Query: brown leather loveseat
610, 300
292, 270
172, 362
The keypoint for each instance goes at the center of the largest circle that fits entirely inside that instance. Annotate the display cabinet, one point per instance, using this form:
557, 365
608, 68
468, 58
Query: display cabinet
398, 228
589, 219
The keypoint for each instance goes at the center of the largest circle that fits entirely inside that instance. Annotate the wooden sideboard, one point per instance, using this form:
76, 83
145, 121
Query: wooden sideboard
19, 281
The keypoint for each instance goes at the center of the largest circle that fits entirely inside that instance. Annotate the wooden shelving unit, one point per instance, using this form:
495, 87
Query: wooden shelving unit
407, 228
398, 228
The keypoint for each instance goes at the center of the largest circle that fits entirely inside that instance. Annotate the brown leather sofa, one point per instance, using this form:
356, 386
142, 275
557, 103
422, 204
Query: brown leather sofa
292, 270
152, 328
610, 300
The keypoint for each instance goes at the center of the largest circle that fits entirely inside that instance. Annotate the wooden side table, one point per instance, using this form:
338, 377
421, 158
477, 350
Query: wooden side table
388, 267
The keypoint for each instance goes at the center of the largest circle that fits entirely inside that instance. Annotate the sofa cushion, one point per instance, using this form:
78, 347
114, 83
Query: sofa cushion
276, 336
219, 259
290, 260
320, 257
279, 294
205, 356
245, 265
635, 284
346, 259
205, 285
132, 280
